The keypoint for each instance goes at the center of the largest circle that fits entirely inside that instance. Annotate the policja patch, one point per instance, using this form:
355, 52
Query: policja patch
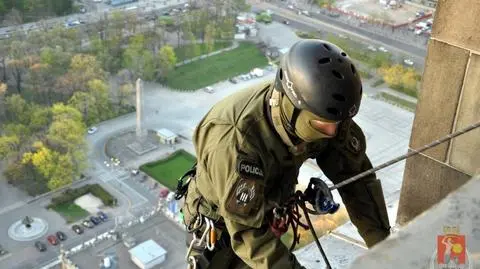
245, 197
249, 169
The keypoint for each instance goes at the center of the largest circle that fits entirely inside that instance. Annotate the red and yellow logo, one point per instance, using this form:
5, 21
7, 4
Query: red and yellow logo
451, 248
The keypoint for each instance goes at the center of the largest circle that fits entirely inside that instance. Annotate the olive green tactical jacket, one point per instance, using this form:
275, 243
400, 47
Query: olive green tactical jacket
244, 170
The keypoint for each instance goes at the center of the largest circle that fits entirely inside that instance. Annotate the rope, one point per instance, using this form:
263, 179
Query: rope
405, 156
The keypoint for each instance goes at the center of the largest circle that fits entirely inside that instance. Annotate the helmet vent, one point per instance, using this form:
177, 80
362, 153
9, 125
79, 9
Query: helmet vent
338, 97
333, 111
337, 74
280, 74
343, 54
327, 47
324, 61
354, 71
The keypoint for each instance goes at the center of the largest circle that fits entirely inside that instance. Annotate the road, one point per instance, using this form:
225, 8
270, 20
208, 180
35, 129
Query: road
102, 10
326, 23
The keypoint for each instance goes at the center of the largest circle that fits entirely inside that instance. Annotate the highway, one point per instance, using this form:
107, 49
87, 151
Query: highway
329, 24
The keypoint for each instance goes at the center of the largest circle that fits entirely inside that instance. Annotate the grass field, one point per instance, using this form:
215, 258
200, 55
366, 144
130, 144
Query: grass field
217, 68
169, 170
397, 101
71, 212
181, 51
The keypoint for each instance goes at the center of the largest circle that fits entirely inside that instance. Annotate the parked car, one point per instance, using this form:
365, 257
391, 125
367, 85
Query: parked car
92, 130
40, 246
61, 236
52, 239
163, 193
233, 80
286, 22
77, 229
408, 62
208, 89
2, 251
102, 216
372, 48
87, 223
135, 172
95, 220
382, 49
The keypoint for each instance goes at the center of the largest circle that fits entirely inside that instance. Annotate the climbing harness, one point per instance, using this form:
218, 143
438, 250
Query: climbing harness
183, 181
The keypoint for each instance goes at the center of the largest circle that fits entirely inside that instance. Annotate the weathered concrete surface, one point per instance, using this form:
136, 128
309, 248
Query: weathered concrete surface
415, 245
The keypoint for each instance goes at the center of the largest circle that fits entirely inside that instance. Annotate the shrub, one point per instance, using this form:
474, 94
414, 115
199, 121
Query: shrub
70, 195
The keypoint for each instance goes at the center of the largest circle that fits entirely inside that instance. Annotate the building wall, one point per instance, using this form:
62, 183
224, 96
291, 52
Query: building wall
449, 101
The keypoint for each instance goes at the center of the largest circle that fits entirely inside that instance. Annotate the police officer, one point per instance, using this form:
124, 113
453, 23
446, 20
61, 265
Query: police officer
251, 145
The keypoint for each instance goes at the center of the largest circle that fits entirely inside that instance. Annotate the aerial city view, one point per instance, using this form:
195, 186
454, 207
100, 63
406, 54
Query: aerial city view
239, 134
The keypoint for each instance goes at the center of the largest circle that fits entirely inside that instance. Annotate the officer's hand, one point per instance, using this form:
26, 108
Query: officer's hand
320, 197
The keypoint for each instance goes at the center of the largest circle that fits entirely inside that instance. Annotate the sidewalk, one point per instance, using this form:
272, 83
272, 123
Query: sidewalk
234, 46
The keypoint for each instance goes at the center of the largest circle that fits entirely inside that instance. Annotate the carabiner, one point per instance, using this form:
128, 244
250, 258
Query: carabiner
212, 236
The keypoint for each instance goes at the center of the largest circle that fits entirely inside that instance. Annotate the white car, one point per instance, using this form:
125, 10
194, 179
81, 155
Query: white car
208, 89
372, 48
382, 49
92, 130
408, 62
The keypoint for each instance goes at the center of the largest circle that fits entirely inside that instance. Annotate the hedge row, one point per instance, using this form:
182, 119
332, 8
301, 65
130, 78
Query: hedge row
70, 195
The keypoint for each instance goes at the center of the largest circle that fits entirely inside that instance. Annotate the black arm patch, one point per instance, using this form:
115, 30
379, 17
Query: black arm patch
248, 168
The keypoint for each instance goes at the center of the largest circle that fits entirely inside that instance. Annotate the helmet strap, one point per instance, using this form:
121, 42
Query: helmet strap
277, 123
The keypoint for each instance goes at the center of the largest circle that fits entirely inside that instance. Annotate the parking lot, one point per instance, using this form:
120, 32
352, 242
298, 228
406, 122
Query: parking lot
373, 9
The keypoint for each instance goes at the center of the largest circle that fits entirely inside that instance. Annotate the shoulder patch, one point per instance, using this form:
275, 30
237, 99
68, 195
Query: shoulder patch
246, 197
356, 140
247, 168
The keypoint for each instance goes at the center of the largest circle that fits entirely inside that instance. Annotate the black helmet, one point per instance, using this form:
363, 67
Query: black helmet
319, 77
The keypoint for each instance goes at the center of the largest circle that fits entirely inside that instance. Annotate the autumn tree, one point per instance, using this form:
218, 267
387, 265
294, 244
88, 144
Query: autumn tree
209, 38
139, 60
167, 61
83, 68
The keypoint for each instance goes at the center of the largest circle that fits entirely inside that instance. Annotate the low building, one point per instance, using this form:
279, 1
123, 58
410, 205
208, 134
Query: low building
167, 136
148, 254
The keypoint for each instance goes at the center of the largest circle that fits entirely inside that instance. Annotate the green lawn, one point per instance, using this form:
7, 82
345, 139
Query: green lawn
398, 101
216, 68
181, 51
71, 212
169, 170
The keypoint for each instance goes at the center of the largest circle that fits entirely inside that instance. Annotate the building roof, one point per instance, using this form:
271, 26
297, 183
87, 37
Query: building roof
147, 251
165, 133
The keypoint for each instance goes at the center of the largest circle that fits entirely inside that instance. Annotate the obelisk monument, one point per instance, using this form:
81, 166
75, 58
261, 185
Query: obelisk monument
139, 107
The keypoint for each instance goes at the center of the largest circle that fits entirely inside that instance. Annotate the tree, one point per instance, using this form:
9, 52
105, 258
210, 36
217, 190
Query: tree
192, 49
125, 91
139, 60
3, 91
209, 38
17, 109
8, 146
325, 3
85, 103
167, 60
83, 68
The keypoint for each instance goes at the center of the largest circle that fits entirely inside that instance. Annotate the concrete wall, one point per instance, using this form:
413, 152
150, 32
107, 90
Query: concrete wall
415, 245
449, 101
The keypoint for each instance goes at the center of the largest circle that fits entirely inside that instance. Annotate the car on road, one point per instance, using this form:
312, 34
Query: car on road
95, 220
87, 224
135, 172
92, 130
163, 193
40, 246
408, 62
208, 89
102, 216
61, 236
286, 22
233, 80
77, 229
382, 49
52, 239
372, 48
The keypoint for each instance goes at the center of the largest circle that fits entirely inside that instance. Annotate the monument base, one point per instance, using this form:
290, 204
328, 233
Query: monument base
142, 146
